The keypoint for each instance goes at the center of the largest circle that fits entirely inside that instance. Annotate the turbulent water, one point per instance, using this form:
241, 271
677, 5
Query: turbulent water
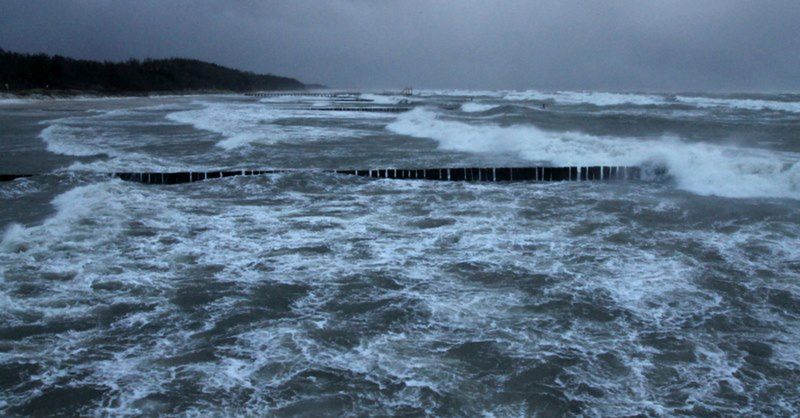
309, 293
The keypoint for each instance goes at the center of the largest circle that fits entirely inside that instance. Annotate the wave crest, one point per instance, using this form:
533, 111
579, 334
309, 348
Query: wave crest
700, 168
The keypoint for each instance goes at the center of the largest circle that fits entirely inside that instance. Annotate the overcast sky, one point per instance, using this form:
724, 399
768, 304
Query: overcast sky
613, 45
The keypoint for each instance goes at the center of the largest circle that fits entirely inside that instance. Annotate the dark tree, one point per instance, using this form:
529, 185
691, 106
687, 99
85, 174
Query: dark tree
25, 72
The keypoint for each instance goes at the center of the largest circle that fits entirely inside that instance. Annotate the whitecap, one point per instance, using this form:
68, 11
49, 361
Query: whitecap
745, 104
589, 97
472, 107
698, 167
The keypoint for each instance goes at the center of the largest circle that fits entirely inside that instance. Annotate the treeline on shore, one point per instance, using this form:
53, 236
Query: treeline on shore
41, 72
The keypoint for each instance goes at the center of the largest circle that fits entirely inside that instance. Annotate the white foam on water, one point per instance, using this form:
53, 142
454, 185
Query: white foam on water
17, 188
84, 244
702, 168
13, 101
64, 139
459, 93
472, 107
589, 97
746, 104
133, 162
240, 124
695, 114
325, 232
387, 99
602, 99
247, 124
72, 207
328, 232
104, 132
381, 99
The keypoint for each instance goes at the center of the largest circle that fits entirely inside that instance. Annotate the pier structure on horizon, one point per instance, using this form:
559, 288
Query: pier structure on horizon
304, 93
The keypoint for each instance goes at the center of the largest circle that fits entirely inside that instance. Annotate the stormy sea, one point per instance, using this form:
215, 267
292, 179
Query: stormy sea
310, 293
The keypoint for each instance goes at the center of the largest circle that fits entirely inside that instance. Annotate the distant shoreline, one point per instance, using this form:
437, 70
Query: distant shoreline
29, 75
71, 94
35, 95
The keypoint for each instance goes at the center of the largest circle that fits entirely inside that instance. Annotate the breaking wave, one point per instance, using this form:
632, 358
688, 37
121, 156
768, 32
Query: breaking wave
247, 124
589, 97
701, 168
386, 99
601, 99
745, 104
102, 133
471, 107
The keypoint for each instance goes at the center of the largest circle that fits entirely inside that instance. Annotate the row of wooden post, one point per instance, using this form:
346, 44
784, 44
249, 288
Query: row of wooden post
490, 174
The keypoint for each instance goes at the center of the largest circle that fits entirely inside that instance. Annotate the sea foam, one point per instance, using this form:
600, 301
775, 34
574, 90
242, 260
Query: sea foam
701, 168
248, 124
745, 104
602, 99
588, 97
471, 107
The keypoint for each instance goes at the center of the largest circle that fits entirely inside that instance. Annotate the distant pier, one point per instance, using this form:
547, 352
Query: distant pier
364, 109
306, 94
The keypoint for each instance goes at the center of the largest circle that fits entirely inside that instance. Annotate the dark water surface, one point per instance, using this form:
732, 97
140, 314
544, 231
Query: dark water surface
315, 294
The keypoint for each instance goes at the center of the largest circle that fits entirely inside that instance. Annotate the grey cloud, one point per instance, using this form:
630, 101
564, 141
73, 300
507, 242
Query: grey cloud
665, 45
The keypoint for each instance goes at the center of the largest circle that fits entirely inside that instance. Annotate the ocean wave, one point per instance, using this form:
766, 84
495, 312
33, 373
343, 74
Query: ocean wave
247, 124
102, 132
17, 188
387, 99
602, 99
343, 283
701, 168
269, 295
63, 139
82, 136
459, 93
589, 97
745, 104
472, 107
12, 101
239, 124
98, 201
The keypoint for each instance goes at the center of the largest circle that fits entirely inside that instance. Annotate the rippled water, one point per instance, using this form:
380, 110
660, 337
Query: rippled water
312, 294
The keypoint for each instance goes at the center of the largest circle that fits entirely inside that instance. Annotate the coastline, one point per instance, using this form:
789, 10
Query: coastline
49, 93
36, 95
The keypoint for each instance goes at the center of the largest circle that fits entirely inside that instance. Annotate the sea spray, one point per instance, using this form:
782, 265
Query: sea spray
701, 168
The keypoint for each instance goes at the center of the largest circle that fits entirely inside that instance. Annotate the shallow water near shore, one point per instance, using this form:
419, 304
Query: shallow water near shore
310, 293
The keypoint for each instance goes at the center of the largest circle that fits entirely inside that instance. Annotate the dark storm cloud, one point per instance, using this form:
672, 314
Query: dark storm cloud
550, 44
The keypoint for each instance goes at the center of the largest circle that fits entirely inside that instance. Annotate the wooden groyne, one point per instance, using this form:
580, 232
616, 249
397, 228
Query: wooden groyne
188, 176
472, 174
505, 174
